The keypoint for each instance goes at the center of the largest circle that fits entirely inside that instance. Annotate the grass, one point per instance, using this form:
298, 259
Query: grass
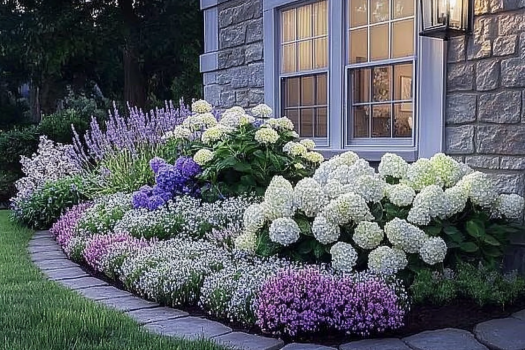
39, 314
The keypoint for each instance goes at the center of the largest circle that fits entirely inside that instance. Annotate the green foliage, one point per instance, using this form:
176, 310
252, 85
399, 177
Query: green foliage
57, 126
484, 285
46, 204
15, 143
7, 184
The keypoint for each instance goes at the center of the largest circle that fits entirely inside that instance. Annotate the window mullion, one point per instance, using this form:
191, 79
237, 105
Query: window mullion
336, 76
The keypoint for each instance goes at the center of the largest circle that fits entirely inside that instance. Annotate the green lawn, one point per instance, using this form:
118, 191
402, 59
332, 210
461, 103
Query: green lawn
39, 314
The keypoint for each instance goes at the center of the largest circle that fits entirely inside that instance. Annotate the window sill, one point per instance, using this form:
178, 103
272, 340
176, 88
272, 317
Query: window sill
372, 155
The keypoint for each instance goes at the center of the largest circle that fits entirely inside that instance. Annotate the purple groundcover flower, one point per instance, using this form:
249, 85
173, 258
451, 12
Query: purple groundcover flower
63, 229
307, 301
98, 245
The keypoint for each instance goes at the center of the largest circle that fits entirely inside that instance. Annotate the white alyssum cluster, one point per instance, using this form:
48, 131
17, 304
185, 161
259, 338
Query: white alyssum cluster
325, 231
346, 208
278, 199
262, 111
393, 165
405, 236
201, 106
284, 231
309, 197
400, 195
368, 235
510, 206
344, 256
386, 261
149, 223
433, 251
106, 212
266, 136
203, 156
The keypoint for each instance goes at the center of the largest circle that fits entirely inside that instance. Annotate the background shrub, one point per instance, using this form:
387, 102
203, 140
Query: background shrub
20, 141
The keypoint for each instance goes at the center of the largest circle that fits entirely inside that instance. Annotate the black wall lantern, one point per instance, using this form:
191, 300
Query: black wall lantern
446, 18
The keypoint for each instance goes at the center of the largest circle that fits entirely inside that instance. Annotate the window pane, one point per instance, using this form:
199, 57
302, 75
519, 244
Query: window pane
362, 85
381, 117
288, 58
381, 84
293, 115
305, 55
361, 121
403, 120
288, 25
320, 53
379, 11
358, 42
403, 8
321, 123
358, 12
304, 22
379, 42
403, 82
291, 92
403, 38
308, 91
307, 123
322, 90
320, 18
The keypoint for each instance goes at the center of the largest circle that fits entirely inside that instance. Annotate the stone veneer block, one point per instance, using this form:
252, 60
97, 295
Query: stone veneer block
299, 346
191, 328
49, 255
157, 314
67, 273
519, 315
54, 264
81, 283
375, 344
444, 339
245, 341
104, 292
129, 303
502, 334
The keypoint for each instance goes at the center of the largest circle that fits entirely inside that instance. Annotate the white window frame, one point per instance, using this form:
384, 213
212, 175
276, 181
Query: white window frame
429, 97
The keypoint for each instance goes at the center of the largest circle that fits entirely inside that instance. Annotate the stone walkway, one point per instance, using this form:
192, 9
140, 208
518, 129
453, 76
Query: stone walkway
500, 334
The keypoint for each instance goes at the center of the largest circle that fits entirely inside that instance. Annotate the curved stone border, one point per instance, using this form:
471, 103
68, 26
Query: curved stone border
502, 334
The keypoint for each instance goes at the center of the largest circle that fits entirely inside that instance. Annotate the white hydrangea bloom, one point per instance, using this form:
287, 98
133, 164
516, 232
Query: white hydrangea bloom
201, 106
387, 261
322, 173
447, 169
405, 236
361, 167
309, 197
212, 135
266, 136
393, 165
209, 120
333, 189
349, 158
510, 206
433, 251
196, 122
456, 198
480, 188
262, 111
314, 157
400, 195
309, 144
341, 174
284, 231
421, 174
298, 166
419, 216
346, 208
370, 187
254, 218
246, 242
368, 235
246, 119
344, 257
232, 117
179, 133
280, 123
324, 231
278, 199
294, 149
432, 198
203, 156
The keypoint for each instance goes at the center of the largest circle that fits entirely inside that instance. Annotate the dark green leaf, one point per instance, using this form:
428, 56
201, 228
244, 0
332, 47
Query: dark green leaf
475, 229
469, 247
491, 240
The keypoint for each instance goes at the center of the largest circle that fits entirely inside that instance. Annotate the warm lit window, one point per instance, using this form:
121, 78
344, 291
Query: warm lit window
380, 70
304, 68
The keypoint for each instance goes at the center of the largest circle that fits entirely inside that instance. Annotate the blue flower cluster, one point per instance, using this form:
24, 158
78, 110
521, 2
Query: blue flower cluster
171, 180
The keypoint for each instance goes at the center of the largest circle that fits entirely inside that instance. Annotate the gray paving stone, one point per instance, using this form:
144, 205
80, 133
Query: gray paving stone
43, 248
245, 341
155, 315
44, 241
57, 254
502, 334
375, 344
64, 274
299, 346
519, 315
44, 233
444, 339
54, 264
129, 303
189, 328
104, 292
81, 283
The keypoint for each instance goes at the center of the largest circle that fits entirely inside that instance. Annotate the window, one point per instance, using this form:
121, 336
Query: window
304, 68
380, 71
355, 75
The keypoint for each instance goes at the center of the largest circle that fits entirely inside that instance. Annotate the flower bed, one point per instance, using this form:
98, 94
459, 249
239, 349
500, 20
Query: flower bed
237, 216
